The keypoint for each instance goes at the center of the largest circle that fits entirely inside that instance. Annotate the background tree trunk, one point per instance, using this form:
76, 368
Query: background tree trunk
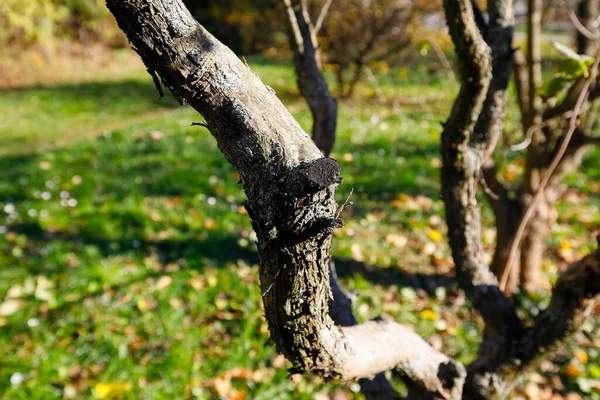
311, 82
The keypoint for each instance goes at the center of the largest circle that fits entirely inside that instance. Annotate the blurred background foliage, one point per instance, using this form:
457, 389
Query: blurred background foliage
357, 36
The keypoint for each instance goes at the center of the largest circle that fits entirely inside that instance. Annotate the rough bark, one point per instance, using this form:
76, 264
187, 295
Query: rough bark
340, 310
460, 172
311, 82
323, 107
573, 297
290, 189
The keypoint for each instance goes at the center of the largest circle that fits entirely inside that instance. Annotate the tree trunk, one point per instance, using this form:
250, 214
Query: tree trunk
311, 82
290, 189
507, 213
533, 247
526, 271
587, 12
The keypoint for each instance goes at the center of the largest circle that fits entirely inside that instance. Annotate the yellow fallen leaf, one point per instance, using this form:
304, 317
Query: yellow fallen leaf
565, 245
434, 235
429, 314
581, 356
573, 372
108, 390
146, 304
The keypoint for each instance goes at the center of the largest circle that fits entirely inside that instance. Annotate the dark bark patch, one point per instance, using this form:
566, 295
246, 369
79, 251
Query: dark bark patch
448, 373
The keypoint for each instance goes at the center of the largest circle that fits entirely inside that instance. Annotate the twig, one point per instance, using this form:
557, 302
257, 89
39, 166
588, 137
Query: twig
573, 123
534, 128
322, 16
295, 26
487, 189
443, 59
581, 28
346, 203
373, 79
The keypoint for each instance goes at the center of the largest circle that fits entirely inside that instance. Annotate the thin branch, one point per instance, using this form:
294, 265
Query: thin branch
536, 128
322, 16
581, 28
439, 52
294, 25
593, 140
555, 162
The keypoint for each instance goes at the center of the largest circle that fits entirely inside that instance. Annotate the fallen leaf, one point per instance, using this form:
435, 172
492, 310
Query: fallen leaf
222, 386
357, 254
10, 307
237, 395
108, 390
429, 314
572, 371
44, 290
144, 304
398, 241
279, 362
581, 356
163, 282
434, 235
429, 249
196, 283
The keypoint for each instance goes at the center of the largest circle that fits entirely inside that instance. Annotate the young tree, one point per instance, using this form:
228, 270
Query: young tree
290, 188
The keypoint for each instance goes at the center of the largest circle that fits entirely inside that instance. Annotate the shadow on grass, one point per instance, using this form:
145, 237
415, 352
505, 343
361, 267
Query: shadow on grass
221, 247
118, 92
347, 268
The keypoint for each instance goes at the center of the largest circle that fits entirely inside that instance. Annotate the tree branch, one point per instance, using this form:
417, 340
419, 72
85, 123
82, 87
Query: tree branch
548, 174
311, 81
460, 173
573, 297
340, 310
290, 189
322, 16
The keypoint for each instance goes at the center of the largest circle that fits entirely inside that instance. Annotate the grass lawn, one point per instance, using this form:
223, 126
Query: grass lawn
128, 264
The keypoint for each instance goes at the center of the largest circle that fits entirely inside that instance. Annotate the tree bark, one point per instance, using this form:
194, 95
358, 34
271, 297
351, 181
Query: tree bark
573, 297
290, 188
311, 82
462, 154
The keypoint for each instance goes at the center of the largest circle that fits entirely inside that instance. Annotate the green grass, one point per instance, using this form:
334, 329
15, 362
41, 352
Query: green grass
127, 259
